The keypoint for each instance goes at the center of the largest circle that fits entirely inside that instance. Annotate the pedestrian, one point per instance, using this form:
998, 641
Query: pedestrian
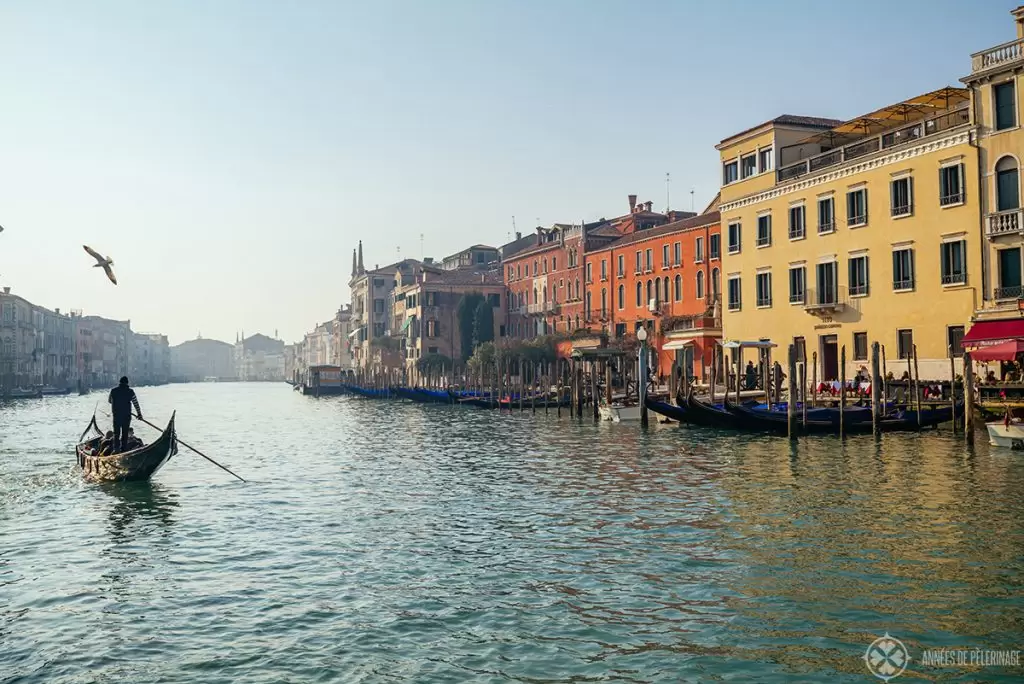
122, 398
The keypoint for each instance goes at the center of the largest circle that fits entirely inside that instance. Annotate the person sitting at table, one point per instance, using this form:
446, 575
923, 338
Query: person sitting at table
991, 378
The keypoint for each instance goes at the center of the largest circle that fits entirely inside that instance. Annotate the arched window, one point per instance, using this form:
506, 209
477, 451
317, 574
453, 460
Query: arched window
536, 267
700, 284
535, 300
622, 296
715, 283
664, 290
604, 300
679, 288
577, 320
650, 290
639, 294
1007, 184
588, 307
545, 294
520, 300
545, 264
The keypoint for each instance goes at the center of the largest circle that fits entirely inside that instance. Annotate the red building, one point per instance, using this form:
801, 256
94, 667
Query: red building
667, 277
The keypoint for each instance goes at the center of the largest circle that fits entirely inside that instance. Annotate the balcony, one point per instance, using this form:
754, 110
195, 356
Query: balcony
1010, 292
825, 302
1004, 223
542, 308
893, 138
998, 56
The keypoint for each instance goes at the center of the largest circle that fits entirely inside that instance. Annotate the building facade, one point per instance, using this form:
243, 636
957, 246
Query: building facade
200, 359
104, 351
865, 232
996, 82
151, 359
259, 359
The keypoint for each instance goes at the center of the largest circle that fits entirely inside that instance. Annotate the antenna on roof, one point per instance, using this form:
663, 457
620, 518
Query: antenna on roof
513, 228
421, 247
668, 181
691, 199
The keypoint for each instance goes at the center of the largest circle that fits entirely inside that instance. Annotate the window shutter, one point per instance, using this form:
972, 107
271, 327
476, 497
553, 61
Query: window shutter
913, 274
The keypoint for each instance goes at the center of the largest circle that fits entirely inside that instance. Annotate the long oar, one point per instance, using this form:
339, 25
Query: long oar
189, 446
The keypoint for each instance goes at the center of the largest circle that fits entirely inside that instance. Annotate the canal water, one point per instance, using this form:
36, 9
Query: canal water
386, 541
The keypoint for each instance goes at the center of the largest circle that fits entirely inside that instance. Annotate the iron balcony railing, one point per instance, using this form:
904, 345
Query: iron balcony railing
954, 278
1004, 223
826, 227
915, 131
952, 198
1009, 292
825, 299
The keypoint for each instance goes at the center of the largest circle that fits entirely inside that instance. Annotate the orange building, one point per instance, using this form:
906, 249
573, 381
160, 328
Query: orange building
668, 278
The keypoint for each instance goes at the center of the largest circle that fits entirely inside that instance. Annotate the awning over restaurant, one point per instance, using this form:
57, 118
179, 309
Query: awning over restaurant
1004, 351
985, 333
737, 344
676, 344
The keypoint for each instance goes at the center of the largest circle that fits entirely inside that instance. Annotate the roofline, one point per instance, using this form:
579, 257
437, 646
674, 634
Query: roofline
768, 126
625, 239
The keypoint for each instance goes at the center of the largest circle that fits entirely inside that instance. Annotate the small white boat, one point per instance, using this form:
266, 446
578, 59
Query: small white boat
1010, 436
617, 413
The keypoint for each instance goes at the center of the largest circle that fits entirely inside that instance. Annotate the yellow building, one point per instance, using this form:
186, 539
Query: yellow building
996, 82
847, 233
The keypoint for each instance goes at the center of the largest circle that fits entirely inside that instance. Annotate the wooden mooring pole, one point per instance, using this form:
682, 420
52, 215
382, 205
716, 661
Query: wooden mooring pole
917, 386
842, 392
968, 399
791, 399
876, 390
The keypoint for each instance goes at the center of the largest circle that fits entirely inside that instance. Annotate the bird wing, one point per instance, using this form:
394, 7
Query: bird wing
93, 253
110, 273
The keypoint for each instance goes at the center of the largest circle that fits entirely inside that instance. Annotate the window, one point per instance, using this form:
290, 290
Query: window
651, 292
494, 300
622, 296
664, 290
748, 166
730, 172
715, 246
620, 330
511, 273
622, 266
578, 298
536, 268
797, 278
801, 349
604, 269
904, 343
378, 306
954, 341
431, 350
604, 302
677, 254
649, 259
902, 195
826, 215
378, 282
431, 328
639, 295
1006, 105
1009, 274
715, 291
378, 330
639, 261
860, 346
951, 185
764, 230
954, 262
554, 263
519, 271
699, 251
735, 301
903, 269
859, 275
765, 159
700, 284
764, 289
1007, 185
735, 235
545, 265
827, 275
857, 207
664, 257
590, 272
679, 288
796, 222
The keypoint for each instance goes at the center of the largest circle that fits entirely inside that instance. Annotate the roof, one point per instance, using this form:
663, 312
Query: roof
464, 277
390, 268
474, 248
518, 245
667, 229
789, 120
262, 343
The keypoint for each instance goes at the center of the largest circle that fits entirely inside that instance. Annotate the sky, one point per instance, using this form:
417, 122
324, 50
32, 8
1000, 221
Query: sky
229, 155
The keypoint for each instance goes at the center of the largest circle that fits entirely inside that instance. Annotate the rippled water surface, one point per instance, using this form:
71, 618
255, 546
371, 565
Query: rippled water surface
385, 541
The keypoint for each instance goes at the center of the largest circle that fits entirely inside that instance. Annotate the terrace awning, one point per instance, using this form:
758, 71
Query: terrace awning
1004, 351
676, 344
987, 333
738, 344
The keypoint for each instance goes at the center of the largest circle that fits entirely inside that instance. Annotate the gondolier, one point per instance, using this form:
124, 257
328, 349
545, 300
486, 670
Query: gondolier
122, 398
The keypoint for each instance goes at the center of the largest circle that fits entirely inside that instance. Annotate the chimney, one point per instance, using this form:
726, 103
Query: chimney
632, 203
519, 235
1018, 15
7, 290
648, 205
57, 311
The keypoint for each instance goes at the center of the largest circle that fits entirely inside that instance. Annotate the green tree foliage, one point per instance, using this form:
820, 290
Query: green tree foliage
483, 323
466, 313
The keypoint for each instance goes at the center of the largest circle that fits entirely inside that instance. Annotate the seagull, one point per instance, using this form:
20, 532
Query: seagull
102, 262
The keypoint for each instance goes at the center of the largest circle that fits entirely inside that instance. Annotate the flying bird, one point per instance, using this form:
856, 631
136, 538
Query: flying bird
102, 262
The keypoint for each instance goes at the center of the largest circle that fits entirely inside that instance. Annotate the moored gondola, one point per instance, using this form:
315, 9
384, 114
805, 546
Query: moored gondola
129, 466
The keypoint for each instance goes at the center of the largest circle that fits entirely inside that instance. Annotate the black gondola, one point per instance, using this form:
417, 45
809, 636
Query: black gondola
129, 466
905, 421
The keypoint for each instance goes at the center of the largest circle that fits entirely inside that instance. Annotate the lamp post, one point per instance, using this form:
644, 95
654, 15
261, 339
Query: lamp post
641, 335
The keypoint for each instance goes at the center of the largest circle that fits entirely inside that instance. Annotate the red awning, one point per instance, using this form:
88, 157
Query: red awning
986, 333
1004, 351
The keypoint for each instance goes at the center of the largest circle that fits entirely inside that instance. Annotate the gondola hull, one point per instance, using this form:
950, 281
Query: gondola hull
130, 466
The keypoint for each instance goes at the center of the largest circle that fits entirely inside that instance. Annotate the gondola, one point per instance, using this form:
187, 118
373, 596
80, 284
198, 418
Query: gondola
856, 420
130, 466
701, 413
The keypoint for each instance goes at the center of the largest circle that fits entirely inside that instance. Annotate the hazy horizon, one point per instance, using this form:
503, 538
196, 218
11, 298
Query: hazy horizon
228, 157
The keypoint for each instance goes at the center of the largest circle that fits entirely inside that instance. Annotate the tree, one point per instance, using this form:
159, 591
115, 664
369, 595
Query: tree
483, 323
466, 314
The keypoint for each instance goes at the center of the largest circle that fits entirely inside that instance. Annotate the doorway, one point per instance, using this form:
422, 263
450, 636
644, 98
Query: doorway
829, 357
684, 360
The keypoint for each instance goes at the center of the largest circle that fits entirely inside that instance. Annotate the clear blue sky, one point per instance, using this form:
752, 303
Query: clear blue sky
229, 155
